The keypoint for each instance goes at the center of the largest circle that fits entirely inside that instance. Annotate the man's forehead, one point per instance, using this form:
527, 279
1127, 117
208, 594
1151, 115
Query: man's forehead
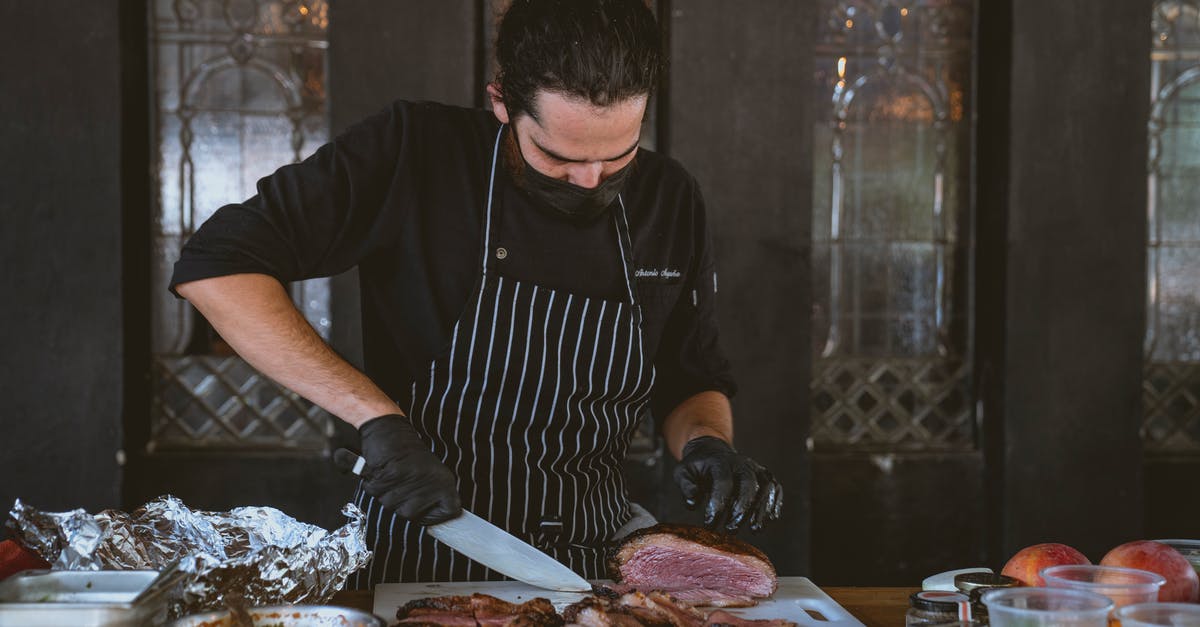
578, 129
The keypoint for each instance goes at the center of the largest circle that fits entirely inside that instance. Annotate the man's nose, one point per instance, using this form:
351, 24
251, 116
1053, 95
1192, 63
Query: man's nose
586, 175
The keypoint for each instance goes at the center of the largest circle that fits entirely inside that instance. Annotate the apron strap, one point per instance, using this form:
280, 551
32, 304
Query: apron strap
626, 244
487, 215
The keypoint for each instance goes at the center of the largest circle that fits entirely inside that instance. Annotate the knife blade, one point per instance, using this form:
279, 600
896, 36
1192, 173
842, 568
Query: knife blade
495, 548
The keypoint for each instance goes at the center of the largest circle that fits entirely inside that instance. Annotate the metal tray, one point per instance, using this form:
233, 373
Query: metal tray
287, 616
75, 597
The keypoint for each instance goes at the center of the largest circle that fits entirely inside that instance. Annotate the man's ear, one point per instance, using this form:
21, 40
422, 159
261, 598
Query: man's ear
497, 99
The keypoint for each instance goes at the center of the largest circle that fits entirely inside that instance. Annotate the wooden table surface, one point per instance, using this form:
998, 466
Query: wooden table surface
875, 607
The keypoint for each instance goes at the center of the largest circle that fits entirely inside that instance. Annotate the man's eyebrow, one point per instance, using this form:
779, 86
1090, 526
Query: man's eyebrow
559, 157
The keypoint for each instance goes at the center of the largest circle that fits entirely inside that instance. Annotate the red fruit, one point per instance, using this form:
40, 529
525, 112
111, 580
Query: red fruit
1027, 563
1183, 585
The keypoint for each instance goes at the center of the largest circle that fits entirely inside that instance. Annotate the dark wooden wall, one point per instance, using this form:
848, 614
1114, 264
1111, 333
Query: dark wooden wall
1064, 91
734, 118
61, 206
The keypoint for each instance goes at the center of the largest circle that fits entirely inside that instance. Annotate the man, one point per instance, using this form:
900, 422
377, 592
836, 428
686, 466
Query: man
532, 284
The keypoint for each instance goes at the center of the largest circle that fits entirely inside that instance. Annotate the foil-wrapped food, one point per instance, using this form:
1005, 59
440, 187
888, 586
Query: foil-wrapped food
252, 555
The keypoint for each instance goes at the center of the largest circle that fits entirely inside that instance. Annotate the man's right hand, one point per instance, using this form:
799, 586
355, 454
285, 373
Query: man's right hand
404, 475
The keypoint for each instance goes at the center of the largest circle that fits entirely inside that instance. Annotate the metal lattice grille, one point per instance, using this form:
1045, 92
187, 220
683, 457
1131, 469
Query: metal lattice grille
1172, 375
205, 401
239, 88
900, 404
1171, 398
892, 217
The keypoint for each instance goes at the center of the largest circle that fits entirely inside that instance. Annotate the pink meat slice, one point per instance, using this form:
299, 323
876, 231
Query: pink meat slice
695, 565
701, 597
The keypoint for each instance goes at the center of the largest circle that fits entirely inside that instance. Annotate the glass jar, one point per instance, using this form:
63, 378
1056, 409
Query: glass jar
937, 607
975, 584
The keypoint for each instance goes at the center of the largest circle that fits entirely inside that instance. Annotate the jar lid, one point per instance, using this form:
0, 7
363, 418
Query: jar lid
968, 582
941, 602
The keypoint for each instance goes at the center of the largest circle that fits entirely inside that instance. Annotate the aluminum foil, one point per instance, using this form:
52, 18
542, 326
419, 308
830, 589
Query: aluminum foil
248, 556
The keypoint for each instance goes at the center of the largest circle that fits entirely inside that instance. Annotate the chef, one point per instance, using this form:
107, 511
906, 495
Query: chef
534, 285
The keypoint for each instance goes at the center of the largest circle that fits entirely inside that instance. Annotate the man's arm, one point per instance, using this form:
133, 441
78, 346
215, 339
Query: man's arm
253, 313
706, 413
734, 488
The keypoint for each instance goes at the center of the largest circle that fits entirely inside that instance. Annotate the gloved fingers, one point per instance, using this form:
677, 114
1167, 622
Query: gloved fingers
391, 500
430, 508
422, 506
766, 507
762, 508
746, 492
690, 488
345, 460
720, 496
446, 508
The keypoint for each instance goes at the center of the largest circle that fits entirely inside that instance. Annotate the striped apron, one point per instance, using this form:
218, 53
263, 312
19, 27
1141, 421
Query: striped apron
532, 406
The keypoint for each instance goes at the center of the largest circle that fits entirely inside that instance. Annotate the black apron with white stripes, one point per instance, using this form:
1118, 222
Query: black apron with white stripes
532, 406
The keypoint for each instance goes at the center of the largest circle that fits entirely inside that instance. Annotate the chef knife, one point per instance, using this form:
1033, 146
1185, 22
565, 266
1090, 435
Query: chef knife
492, 546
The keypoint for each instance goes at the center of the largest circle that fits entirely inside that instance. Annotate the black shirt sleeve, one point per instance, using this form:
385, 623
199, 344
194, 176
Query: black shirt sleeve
689, 359
309, 219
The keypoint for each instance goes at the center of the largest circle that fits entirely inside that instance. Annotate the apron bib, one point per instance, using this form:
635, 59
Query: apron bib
532, 407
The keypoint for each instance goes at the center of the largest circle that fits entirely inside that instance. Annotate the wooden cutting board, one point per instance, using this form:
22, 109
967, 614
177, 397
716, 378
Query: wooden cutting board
797, 600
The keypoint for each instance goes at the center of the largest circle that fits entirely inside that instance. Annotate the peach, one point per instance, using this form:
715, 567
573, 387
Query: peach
1029, 561
1182, 582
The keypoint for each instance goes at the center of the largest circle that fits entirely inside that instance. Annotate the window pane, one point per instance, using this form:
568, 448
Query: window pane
1171, 390
892, 215
239, 90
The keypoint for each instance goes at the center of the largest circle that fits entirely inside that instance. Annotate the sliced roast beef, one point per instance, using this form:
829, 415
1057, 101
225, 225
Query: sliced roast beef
694, 564
702, 597
661, 604
603, 612
478, 610
653, 610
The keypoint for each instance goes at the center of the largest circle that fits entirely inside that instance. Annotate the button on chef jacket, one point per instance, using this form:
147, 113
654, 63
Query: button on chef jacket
402, 195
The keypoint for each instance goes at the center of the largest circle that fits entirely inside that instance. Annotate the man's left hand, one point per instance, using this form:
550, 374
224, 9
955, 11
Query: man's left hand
733, 486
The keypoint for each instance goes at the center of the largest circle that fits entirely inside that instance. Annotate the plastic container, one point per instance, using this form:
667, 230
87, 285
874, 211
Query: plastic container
1154, 614
1034, 607
1189, 548
1124, 586
68, 598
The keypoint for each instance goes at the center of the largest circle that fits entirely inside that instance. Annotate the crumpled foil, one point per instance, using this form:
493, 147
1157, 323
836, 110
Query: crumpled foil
255, 555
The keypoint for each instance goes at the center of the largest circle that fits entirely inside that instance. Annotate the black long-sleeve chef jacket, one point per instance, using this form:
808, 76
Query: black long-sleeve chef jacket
402, 195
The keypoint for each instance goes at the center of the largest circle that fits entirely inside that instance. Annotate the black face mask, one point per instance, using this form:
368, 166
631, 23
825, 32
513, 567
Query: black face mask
573, 201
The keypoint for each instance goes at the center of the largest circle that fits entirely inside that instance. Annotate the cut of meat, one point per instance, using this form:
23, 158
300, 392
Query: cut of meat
713, 598
693, 564
661, 604
478, 610
598, 612
492, 612
655, 610
723, 618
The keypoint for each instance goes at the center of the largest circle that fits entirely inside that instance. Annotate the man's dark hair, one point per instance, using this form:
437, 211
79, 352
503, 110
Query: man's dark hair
601, 50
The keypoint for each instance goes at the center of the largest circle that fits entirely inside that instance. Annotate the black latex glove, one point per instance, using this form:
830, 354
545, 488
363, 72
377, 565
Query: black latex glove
734, 487
404, 475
